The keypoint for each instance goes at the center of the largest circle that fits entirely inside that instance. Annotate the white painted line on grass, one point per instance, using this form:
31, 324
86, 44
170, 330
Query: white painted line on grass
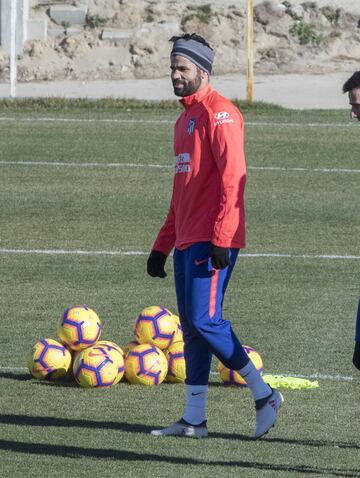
321, 376
144, 253
85, 165
72, 252
316, 125
164, 121
317, 376
87, 120
302, 256
166, 166
310, 170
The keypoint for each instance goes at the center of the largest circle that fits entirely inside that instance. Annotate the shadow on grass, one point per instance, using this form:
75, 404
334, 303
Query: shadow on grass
57, 383
221, 385
139, 428
125, 455
22, 377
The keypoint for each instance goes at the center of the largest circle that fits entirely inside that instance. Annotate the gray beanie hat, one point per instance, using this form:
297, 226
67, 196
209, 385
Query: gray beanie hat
198, 53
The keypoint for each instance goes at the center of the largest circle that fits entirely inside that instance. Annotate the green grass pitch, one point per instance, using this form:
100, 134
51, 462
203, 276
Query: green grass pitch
102, 183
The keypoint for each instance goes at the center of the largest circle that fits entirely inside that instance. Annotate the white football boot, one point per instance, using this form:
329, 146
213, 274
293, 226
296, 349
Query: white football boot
267, 414
183, 428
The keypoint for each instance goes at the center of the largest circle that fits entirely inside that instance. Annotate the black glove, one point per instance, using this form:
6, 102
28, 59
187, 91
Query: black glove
220, 257
356, 356
156, 263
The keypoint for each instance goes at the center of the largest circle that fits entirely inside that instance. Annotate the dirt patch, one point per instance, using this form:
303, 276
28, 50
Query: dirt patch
126, 39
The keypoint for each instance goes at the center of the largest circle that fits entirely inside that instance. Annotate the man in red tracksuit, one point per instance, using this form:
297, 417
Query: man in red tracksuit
352, 87
206, 225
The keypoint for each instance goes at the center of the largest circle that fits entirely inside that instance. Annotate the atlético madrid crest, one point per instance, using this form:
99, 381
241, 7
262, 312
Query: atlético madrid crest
191, 126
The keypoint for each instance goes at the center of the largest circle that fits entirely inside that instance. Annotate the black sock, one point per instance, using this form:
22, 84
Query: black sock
184, 422
356, 356
262, 401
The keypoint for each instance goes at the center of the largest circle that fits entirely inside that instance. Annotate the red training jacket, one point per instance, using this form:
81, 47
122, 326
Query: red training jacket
207, 203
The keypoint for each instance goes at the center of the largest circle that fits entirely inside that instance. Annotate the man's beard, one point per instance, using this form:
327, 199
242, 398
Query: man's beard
187, 89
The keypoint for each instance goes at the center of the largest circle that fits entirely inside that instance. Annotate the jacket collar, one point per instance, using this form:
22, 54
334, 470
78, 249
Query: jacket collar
197, 97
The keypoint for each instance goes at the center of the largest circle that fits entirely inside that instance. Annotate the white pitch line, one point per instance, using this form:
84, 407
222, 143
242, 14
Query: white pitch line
317, 376
72, 252
322, 125
320, 376
85, 165
166, 166
312, 170
302, 256
164, 121
144, 253
87, 120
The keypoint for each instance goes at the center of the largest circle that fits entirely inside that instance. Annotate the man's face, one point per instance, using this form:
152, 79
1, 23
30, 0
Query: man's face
354, 100
185, 76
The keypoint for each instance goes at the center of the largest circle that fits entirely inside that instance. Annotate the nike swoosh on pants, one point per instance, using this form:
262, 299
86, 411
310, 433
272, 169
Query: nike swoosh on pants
198, 262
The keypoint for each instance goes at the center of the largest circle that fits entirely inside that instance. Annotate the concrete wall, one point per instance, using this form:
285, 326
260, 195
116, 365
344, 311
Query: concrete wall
35, 28
21, 24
